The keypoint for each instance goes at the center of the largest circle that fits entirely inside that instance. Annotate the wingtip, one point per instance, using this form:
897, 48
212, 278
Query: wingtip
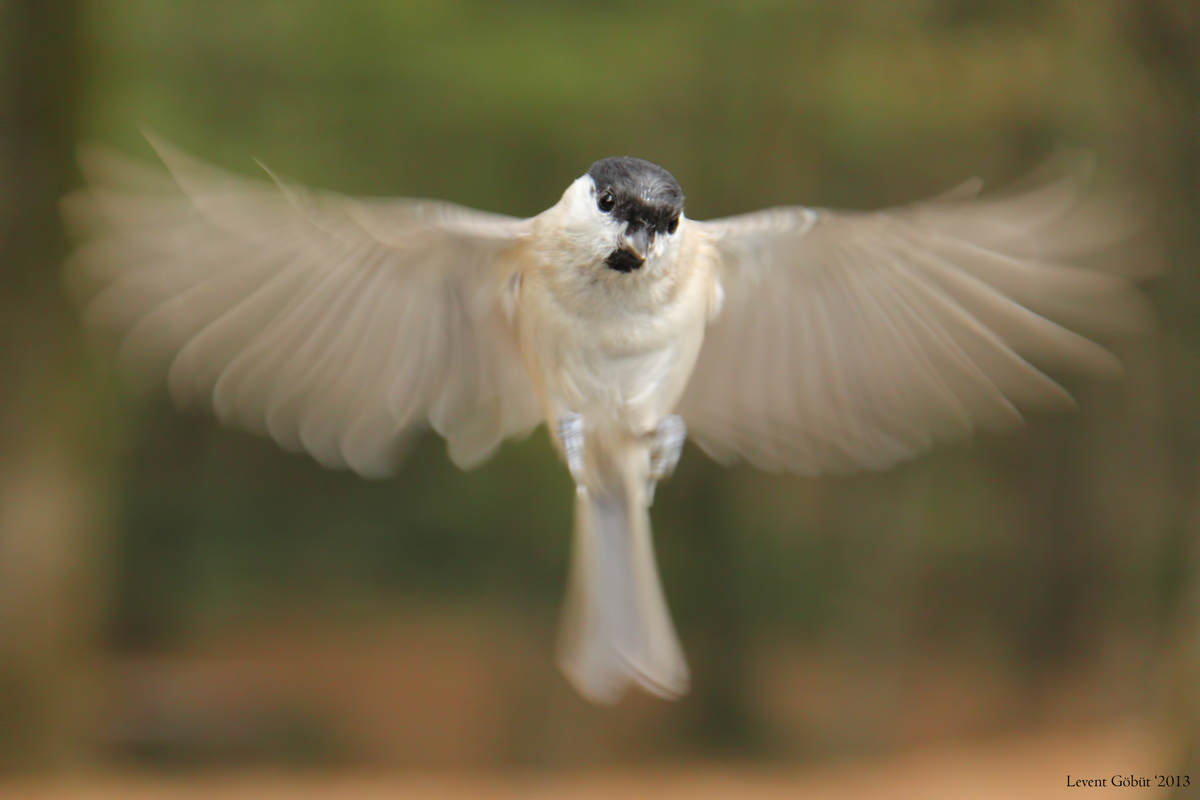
172, 157
107, 167
160, 145
1071, 163
292, 191
1069, 168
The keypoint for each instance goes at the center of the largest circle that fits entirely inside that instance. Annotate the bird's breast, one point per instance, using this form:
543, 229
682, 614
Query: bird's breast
615, 366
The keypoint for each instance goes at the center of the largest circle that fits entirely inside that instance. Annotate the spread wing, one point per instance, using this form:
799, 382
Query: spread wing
333, 325
856, 340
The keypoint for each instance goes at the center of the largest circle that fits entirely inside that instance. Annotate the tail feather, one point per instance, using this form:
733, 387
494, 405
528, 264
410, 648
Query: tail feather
616, 628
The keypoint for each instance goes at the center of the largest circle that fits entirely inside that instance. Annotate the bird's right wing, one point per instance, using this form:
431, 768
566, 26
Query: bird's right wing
856, 340
331, 324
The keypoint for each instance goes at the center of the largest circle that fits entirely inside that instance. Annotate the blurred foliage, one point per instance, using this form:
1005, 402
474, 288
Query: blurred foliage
1033, 552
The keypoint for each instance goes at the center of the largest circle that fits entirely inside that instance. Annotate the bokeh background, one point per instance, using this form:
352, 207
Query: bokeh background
177, 597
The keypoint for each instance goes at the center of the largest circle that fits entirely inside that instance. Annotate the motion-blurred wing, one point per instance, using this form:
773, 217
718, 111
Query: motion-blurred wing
854, 341
333, 325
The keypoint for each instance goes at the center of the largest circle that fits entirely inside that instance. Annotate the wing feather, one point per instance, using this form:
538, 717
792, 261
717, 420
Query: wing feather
335, 326
857, 340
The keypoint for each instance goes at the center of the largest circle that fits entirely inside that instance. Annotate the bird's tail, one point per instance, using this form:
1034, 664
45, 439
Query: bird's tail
616, 628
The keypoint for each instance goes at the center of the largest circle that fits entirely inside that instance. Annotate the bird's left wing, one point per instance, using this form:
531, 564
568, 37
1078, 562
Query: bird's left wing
331, 324
856, 340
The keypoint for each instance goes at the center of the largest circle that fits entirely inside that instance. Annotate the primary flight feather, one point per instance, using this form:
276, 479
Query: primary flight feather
794, 338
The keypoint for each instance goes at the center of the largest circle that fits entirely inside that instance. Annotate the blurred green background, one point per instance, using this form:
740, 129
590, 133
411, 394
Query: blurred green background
171, 592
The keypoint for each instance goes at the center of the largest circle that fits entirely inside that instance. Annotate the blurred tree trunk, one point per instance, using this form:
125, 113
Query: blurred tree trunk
49, 509
1166, 35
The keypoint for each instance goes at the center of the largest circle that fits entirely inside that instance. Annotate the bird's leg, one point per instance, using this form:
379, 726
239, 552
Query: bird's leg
665, 449
667, 446
570, 433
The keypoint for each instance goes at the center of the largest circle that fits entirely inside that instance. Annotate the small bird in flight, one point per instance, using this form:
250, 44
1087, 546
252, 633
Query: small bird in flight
794, 338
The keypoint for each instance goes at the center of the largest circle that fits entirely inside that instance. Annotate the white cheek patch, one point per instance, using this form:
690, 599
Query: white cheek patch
583, 208
588, 234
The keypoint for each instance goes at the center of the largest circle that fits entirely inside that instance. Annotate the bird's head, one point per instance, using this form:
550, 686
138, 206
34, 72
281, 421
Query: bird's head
624, 214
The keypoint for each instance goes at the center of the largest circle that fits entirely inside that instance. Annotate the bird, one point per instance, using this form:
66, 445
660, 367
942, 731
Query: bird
795, 338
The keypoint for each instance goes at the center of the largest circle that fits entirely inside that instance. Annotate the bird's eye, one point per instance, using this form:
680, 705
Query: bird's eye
606, 201
673, 225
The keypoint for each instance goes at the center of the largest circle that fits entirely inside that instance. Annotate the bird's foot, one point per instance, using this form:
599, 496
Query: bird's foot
665, 449
570, 433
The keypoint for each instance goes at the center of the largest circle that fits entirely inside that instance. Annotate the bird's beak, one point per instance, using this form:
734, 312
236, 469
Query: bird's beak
638, 242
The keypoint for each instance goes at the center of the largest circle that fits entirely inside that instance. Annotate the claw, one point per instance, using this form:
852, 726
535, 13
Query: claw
669, 437
570, 433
